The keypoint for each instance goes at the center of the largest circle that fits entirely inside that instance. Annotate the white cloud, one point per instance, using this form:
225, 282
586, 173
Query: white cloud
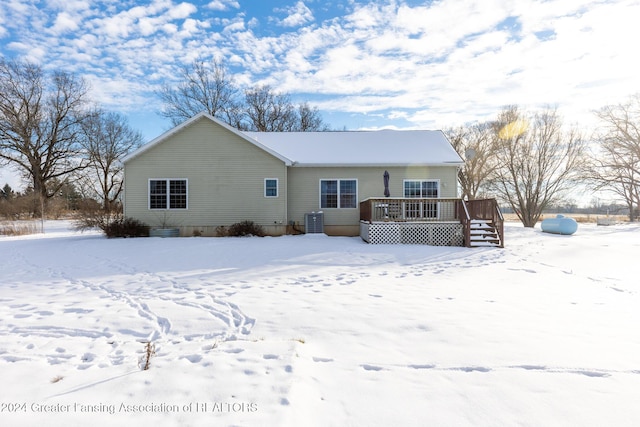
118, 92
438, 61
181, 11
69, 5
190, 27
454, 61
298, 15
222, 5
234, 25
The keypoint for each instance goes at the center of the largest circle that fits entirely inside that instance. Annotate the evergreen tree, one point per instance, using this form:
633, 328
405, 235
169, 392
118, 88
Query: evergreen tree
6, 192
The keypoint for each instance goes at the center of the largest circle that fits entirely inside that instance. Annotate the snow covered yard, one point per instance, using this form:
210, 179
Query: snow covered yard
320, 331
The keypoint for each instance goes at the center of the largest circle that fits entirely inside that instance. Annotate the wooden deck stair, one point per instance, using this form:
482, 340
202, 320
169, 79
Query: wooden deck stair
483, 234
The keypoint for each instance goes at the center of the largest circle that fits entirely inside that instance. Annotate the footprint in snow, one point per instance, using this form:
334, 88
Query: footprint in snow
88, 357
472, 369
421, 366
592, 374
371, 368
193, 358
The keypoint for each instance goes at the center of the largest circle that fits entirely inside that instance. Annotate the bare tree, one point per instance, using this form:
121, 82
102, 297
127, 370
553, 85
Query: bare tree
615, 165
537, 161
309, 119
269, 111
209, 87
106, 138
204, 87
476, 144
40, 117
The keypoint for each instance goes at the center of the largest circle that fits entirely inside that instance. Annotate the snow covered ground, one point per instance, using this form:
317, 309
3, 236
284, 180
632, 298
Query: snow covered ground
320, 331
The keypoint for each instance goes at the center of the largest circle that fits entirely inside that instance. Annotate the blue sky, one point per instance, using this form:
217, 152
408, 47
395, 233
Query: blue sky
364, 64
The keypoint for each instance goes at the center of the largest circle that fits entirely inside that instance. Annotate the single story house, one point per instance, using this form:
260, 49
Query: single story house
204, 174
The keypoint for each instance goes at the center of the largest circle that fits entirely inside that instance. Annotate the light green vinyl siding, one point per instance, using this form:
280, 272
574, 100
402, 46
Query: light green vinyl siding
304, 188
225, 176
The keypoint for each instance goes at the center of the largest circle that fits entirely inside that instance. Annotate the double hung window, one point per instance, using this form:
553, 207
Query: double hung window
271, 187
338, 193
167, 194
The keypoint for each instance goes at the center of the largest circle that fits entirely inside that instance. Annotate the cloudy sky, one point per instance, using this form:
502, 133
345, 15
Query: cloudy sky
364, 64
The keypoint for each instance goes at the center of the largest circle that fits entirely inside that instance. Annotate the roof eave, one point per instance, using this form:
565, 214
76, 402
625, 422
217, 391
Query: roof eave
373, 165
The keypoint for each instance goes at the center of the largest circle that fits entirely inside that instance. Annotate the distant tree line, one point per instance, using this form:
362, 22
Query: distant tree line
531, 162
16, 205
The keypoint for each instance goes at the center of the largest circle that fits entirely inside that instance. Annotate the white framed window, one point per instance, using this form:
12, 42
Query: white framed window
421, 189
168, 193
338, 193
271, 187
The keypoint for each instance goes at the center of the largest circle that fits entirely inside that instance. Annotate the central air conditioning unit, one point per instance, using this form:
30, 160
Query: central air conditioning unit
314, 222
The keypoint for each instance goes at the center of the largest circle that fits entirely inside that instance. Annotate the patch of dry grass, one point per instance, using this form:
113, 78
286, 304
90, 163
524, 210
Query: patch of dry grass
579, 217
18, 228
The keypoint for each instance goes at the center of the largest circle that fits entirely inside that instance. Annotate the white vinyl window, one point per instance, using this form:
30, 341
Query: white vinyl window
425, 189
271, 187
167, 194
338, 193
421, 189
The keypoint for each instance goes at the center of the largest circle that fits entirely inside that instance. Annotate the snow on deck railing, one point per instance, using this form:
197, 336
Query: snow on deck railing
489, 210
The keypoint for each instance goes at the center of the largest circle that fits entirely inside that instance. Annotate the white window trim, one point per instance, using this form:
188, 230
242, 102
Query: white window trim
168, 208
422, 208
436, 180
264, 193
337, 179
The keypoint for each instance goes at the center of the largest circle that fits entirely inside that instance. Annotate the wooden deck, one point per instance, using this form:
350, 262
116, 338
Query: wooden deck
433, 221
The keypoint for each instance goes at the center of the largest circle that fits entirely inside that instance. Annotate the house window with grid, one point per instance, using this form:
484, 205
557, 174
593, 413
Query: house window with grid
425, 189
271, 187
338, 193
421, 189
167, 194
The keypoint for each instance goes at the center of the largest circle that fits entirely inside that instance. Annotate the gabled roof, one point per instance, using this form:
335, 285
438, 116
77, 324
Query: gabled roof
188, 123
362, 148
383, 148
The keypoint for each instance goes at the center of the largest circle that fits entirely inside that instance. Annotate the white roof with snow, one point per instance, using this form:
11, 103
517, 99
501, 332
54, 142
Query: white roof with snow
361, 148
384, 148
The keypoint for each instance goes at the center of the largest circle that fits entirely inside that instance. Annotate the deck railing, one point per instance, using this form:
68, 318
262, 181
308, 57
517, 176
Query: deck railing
487, 209
434, 210
409, 209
